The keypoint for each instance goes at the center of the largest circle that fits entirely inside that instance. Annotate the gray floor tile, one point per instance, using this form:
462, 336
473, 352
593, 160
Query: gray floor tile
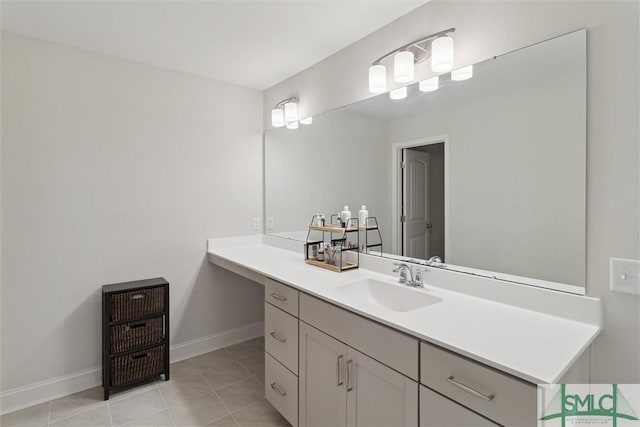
241, 394
212, 359
76, 403
161, 419
227, 421
35, 416
246, 348
136, 407
182, 389
225, 375
119, 394
182, 369
259, 414
255, 365
199, 412
97, 417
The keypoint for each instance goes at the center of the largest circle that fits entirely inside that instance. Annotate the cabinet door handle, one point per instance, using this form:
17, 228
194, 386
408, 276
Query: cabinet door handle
470, 390
349, 364
277, 338
339, 370
275, 388
278, 297
138, 296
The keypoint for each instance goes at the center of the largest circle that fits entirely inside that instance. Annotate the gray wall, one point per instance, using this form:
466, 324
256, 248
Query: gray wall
486, 29
114, 171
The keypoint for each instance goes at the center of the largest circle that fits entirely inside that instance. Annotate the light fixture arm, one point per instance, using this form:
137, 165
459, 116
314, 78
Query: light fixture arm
281, 103
420, 47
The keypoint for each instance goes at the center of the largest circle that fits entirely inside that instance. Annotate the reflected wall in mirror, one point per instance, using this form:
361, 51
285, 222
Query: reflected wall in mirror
494, 176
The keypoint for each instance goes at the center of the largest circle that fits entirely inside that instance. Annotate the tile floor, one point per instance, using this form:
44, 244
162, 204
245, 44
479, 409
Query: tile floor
223, 388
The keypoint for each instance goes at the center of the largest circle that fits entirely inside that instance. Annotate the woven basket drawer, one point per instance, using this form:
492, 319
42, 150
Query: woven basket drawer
129, 336
132, 367
134, 304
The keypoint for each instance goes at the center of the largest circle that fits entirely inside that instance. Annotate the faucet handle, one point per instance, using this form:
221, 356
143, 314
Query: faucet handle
396, 267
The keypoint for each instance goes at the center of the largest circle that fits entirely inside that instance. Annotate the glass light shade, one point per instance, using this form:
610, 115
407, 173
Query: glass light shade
429, 85
442, 54
463, 73
277, 117
403, 67
400, 93
307, 121
377, 79
292, 125
291, 112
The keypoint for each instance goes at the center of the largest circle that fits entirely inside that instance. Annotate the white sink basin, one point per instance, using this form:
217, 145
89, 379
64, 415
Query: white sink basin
394, 297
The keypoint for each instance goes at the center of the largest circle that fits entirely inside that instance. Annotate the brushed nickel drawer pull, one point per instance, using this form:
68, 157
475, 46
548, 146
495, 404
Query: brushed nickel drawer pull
349, 385
277, 338
138, 296
275, 388
470, 390
339, 370
278, 297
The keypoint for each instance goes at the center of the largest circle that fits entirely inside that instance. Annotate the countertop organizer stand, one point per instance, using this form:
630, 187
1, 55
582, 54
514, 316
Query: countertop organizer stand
338, 237
370, 226
135, 332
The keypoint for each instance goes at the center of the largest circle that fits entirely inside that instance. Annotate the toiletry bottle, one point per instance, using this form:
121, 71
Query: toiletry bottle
345, 216
322, 220
363, 214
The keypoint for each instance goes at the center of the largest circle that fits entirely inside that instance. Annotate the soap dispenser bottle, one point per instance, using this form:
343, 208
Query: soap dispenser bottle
345, 216
363, 214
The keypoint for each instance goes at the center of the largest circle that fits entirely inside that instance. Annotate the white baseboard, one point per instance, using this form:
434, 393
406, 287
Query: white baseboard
44, 391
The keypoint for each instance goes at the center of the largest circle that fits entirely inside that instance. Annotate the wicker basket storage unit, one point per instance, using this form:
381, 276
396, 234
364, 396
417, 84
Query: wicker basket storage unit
135, 332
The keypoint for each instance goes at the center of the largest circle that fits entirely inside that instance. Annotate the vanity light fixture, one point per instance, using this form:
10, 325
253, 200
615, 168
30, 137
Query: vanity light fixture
400, 93
292, 125
437, 46
285, 112
463, 73
307, 120
429, 85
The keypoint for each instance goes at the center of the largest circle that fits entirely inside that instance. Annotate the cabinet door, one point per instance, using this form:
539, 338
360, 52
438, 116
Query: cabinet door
378, 395
438, 411
322, 380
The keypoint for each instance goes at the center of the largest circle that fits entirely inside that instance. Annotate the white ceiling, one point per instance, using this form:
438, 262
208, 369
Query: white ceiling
249, 43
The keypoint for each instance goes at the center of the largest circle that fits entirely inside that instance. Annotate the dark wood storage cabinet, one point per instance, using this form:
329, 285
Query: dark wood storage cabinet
135, 332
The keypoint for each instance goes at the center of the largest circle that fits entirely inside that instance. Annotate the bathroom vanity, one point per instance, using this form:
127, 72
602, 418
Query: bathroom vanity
358, 348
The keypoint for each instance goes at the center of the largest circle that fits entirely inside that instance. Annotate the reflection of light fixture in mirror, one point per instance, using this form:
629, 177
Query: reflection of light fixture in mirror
437, 46
442, 54
400, 93
403, 66
463, 73
285, 112
429, 85
307, 120
292, 125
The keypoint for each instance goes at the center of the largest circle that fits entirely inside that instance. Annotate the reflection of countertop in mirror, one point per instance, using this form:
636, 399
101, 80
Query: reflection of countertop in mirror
534, 334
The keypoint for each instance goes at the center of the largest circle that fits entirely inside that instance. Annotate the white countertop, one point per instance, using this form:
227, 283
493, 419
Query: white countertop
533, 345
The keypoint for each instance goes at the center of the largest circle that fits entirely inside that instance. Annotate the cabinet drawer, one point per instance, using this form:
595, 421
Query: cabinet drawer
438, 411
137, 303
282, 296
281, 336
497, 396
281, 389
132, 335
393, 348
133, 367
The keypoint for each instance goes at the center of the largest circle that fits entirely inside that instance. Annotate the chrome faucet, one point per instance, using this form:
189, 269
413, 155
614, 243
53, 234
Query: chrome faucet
406, 275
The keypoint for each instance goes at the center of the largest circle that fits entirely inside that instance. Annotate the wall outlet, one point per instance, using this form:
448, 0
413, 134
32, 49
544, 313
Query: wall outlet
270, 225
255, 223
624, 276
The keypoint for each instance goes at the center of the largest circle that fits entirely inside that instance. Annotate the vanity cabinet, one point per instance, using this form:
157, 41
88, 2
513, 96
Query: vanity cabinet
281, 348
341, 386
438, 411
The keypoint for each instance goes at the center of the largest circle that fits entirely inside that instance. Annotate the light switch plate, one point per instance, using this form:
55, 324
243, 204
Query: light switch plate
624, 276
269, 223
255, 224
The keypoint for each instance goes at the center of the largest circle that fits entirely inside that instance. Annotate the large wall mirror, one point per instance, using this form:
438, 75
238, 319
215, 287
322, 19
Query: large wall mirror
489, 173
